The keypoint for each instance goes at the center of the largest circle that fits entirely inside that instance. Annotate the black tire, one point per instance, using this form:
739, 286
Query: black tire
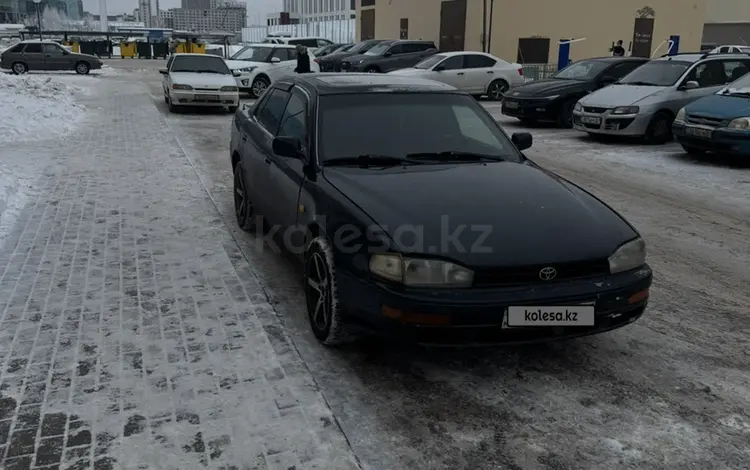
244, 211
527, 121
82, 68
372, 69
659, 130
565, 114
695, 151
19, 68
259, 86
497, 89
173, 108
321, 295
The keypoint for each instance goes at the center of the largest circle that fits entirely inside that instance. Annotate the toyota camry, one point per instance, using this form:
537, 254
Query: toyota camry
416, 216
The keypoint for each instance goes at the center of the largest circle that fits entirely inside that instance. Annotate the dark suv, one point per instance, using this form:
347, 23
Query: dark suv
389, 55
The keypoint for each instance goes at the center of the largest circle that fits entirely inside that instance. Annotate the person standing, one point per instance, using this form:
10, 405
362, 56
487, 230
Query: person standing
303, 60
618, 50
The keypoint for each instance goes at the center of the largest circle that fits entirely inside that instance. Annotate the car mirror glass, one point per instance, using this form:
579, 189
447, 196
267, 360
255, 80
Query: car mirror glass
522, 140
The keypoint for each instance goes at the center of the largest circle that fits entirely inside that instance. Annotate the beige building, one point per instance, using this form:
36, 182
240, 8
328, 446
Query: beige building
529, 30
727, 22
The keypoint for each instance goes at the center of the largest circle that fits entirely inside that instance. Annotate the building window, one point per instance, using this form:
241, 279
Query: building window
368, 3
533, 50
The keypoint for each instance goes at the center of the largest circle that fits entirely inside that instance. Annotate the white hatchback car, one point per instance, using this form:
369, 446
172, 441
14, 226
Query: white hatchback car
259, 65
199, 80
476, 73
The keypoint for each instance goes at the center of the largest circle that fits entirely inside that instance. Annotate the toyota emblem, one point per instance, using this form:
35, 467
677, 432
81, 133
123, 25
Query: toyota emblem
547, 274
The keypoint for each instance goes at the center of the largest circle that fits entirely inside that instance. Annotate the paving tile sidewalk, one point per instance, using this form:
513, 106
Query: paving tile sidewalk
133, 334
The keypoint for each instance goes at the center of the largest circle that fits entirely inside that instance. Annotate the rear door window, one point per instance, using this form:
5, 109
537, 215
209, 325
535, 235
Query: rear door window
476, 61
281, 53
17, 48
33, 49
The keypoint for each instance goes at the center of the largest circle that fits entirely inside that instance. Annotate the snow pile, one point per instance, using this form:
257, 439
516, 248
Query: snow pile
36, 107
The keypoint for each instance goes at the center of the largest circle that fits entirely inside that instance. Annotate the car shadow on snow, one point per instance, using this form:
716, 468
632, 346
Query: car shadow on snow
714, 160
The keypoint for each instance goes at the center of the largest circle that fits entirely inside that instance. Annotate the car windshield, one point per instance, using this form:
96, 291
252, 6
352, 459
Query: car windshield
361, 47
200, 64
344, 48
741, 86
430, 62
253, 53
745, 50
402, 124
583, 70
656, 73
379, 49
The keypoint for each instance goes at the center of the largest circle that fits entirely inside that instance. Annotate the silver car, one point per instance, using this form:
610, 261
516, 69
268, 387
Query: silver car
645, 102
46, 55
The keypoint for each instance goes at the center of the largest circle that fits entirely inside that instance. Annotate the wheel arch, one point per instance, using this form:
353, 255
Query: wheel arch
235, 159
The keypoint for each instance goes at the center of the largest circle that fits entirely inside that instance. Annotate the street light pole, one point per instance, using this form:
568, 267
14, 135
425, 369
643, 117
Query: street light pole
39, 17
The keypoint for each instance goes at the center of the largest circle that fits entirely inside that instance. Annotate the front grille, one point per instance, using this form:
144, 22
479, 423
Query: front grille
206, 89
705, 120
594, 110
530, 274
617, 124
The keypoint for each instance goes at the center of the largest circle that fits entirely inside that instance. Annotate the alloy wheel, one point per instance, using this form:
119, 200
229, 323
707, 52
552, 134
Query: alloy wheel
259, 87
497, 90
318, 287
240, 199
19, 68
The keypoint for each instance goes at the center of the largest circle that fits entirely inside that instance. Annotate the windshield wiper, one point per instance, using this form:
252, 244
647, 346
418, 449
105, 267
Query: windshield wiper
639, 83
455, 156
368, 160
736, 93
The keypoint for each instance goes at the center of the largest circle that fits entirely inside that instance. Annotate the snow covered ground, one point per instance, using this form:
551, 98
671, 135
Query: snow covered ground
32, 108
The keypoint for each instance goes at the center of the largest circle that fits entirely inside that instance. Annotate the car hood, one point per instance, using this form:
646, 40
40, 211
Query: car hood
243, 64
202, 80
529, 216
620, 95
720, 106
357, 57
89, 57
337, 56
547, 87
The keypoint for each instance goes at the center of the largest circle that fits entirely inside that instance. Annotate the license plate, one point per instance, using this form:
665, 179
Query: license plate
511, 104
698, 132
591, 120
549, 316
206, 98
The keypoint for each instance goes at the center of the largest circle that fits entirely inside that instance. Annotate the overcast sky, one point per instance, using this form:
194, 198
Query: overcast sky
115, 7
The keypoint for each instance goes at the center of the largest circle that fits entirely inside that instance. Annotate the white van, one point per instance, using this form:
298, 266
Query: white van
310, 42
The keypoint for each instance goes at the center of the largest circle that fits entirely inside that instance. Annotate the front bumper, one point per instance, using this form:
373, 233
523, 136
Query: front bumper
476, 316
245, 81
721, 140
630, 125
205, 98
531, 108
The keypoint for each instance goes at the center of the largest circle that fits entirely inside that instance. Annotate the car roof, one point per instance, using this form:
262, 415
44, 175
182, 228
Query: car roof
39, 41
618, 59
271, 44
340, 83
191, 54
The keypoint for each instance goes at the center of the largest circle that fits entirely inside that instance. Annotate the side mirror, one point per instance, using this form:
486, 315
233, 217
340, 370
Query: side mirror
439, 68
522, 140
236, 73
690, 85
289, 147
66, 53
388, 54
163, 71
607, 80
275, 60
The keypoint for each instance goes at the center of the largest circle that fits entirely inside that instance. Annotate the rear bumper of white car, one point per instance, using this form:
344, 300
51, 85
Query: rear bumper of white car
205, 98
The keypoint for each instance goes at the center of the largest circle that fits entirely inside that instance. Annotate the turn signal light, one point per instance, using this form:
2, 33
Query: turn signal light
638, 297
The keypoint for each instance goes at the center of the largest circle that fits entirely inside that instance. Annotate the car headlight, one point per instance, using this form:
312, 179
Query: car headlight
248, 69
419, 272
742, 123
629, 256
229, 88
680, 115
551, 97
578, 107
176, 86
626, 110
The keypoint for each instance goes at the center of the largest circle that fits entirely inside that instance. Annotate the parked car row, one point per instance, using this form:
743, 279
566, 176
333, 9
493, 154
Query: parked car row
38, 55
652, 99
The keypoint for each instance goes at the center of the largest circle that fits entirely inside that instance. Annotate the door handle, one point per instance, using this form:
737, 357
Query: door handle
490, 71
460, 73
268, 161
244, 138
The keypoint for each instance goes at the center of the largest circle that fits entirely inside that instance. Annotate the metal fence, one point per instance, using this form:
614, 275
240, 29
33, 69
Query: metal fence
340, 31
538, 71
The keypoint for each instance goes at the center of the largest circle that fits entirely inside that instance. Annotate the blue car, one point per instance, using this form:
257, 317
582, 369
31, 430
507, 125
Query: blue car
717, 123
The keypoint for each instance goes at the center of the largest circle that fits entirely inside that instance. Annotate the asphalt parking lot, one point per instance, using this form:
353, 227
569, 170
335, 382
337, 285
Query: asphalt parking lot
671, 391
